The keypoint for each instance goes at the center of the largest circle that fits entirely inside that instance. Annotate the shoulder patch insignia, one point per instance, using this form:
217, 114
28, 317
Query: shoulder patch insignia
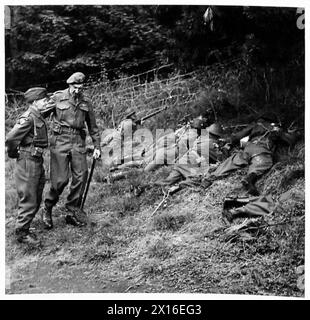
57, 92
23, 120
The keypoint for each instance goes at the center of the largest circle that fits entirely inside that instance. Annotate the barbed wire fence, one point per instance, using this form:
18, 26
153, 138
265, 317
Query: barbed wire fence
133, 94
142, 92
137, 93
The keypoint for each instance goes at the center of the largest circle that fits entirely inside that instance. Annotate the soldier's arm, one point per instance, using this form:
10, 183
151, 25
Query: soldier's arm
49, 106
286, 137
17, 134
92, 126
235, 138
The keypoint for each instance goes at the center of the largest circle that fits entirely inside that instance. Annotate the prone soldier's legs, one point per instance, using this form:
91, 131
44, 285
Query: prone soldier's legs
174, 177
157, 162
163, 156
152, 166
260, 164
234, 162
188, 171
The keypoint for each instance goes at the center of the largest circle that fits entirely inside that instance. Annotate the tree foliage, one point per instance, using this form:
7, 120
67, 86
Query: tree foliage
47, 43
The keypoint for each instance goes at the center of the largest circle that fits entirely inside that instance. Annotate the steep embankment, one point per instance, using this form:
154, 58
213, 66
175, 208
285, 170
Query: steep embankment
184, 247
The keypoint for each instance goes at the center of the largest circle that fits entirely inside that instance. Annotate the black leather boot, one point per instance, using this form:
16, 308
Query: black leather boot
74, 221
72, 216
47, 218
27, 238
207, 182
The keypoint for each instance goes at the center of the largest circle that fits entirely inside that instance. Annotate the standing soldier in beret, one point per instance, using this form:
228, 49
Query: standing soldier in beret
26, 142
71, 110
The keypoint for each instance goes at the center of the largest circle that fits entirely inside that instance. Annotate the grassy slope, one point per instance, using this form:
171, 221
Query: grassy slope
182, 248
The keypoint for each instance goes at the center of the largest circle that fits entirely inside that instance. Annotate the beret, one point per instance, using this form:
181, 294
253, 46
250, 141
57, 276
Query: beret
76, 78
33, 94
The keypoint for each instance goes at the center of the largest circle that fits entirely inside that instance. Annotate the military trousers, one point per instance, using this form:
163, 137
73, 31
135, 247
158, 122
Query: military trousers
67, 159
258, 160
190, 166
30, 180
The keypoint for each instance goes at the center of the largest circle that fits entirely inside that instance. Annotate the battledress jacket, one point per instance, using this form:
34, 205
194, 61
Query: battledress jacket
30, 130
261, 135
70, 113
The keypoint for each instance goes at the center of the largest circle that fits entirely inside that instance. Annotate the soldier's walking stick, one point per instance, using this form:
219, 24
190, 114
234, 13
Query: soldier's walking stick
90, 175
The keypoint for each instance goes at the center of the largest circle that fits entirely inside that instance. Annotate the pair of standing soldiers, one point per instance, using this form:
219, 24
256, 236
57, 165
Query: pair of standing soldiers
26, 142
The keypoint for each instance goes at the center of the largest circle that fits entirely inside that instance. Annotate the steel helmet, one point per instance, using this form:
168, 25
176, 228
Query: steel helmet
215, 129
199, 123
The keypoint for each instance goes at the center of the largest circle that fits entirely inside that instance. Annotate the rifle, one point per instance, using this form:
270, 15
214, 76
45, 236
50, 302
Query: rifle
152, 114
236, 126
90, 175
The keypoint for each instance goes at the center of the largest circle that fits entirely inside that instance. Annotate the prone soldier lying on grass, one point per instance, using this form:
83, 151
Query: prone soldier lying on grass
190, 165
259, 141
123, 137
165, 150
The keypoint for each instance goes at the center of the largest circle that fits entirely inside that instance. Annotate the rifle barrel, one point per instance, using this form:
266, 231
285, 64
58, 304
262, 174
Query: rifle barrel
236, 126
152, 114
